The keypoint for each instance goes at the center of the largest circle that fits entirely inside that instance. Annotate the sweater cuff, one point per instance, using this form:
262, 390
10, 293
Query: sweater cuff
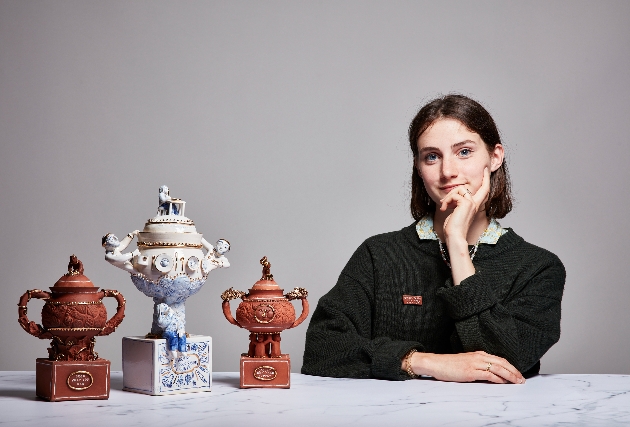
387, 359
470, 297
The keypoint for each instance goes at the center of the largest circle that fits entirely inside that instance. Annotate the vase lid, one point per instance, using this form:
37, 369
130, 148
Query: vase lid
74, 278
170, 216
266, 286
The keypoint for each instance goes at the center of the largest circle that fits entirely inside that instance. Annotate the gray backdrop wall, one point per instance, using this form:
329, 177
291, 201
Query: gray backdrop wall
283, 126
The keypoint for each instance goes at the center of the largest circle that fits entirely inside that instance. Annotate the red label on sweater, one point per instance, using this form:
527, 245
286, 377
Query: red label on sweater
412, 299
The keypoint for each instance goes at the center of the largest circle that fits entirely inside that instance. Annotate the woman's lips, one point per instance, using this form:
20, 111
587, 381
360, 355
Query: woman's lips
448, 188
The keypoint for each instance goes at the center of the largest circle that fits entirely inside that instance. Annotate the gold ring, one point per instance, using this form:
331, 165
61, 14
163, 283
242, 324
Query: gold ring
489, 366
468, 191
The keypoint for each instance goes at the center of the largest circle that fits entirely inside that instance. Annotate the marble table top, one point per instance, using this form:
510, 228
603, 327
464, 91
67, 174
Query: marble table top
545, 400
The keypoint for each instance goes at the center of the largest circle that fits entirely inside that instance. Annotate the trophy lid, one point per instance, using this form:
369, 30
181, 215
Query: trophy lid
266, 287
74, 278
170, 216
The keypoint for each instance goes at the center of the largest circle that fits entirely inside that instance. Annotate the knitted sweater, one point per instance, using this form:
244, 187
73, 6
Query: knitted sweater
510, 307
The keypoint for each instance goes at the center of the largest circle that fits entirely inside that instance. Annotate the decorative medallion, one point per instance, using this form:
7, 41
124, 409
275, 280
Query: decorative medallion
265, 373
264, 313
163, 263
80, 380
193, 263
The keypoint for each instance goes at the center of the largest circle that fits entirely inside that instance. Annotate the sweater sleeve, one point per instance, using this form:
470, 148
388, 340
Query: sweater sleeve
520, 326
339, 341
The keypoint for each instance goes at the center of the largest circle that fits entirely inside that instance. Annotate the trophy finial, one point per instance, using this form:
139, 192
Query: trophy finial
266, 272
75, 267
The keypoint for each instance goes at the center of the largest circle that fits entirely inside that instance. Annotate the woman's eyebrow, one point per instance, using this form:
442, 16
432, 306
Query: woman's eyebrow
459, 144
422, 150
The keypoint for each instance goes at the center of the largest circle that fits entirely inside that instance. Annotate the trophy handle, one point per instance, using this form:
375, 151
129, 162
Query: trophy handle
228, 315
227, 296
29, 326
113, 323
302, 316
299, 293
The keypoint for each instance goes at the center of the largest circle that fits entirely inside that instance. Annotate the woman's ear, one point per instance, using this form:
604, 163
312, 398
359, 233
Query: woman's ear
496, 157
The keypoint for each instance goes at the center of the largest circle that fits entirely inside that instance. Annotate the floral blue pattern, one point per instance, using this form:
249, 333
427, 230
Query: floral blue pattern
191, 370
490, 236
168, 289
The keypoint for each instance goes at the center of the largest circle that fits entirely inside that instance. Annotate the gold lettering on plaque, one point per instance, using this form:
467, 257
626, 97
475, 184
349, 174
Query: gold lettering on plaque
80, 380
265, 373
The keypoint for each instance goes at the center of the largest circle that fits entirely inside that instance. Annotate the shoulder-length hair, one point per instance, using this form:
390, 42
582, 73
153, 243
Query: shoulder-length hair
472, 115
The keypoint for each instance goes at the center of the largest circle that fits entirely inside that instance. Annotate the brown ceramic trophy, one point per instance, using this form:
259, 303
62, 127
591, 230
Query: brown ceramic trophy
72, 316
265, 312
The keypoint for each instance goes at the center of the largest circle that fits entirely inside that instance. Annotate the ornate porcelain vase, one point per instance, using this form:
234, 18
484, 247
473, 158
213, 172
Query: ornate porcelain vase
265, 312
169, 265
72, 316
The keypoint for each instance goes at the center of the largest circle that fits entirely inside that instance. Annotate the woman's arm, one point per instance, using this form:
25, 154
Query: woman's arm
510, 308
464, 367
498, 335
339, 339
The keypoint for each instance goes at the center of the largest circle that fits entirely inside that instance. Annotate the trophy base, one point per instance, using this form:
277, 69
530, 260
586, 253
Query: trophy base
265, 372
64, 380
149, 368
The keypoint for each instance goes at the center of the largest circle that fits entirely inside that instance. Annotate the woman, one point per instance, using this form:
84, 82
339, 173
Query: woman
454, 296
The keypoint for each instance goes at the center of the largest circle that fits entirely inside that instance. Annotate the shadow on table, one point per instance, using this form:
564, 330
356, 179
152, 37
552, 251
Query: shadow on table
230, 382
116, 383
20, 394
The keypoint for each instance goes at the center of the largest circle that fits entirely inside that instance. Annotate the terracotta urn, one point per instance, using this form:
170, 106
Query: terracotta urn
73, 315
265, 311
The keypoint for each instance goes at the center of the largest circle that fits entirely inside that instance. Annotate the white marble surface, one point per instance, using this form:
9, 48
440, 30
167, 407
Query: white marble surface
546, 400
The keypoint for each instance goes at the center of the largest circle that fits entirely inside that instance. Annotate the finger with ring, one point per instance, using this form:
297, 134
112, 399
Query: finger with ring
466, 192
489, 366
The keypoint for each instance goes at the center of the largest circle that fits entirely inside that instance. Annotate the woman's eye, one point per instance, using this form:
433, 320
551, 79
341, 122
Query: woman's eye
465, 152
431, 157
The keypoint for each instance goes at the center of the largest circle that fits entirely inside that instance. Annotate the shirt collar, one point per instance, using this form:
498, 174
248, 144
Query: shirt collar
490, 236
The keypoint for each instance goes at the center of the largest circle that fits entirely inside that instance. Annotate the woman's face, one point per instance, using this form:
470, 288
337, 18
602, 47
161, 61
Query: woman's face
449, 154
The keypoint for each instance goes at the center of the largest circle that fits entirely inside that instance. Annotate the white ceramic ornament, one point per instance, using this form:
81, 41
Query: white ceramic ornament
169, 265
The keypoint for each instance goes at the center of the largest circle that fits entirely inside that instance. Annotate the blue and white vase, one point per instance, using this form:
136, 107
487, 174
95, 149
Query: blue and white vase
171, 263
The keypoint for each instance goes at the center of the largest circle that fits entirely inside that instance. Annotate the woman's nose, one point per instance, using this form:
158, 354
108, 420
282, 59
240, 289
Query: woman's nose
449, 167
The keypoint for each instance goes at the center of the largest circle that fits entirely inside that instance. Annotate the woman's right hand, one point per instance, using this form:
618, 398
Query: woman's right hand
466, 367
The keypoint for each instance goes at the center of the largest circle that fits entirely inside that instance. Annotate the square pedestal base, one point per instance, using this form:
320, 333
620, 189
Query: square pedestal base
265, 372
149, 368
56, 380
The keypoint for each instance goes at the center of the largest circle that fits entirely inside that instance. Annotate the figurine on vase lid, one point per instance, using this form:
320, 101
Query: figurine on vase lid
71, 317
169, 265
265, 312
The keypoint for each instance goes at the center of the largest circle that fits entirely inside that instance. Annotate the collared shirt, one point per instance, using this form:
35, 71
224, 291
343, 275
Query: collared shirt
490, 236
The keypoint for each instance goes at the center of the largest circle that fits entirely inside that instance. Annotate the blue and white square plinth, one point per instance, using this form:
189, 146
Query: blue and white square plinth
149, 368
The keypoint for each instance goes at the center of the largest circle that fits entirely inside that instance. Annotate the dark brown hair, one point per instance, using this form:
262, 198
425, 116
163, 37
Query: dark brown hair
472, 115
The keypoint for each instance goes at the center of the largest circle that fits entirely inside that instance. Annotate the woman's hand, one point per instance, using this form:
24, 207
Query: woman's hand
467, 217
465, 367
465, 207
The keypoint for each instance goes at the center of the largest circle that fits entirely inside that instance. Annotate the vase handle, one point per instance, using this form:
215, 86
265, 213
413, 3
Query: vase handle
227, 296
113, 323
299, 293
31, 327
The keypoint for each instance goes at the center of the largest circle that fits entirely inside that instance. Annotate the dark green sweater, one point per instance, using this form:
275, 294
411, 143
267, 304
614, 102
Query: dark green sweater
510, 307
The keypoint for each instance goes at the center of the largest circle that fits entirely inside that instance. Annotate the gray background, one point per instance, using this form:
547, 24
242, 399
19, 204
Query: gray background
283, 126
